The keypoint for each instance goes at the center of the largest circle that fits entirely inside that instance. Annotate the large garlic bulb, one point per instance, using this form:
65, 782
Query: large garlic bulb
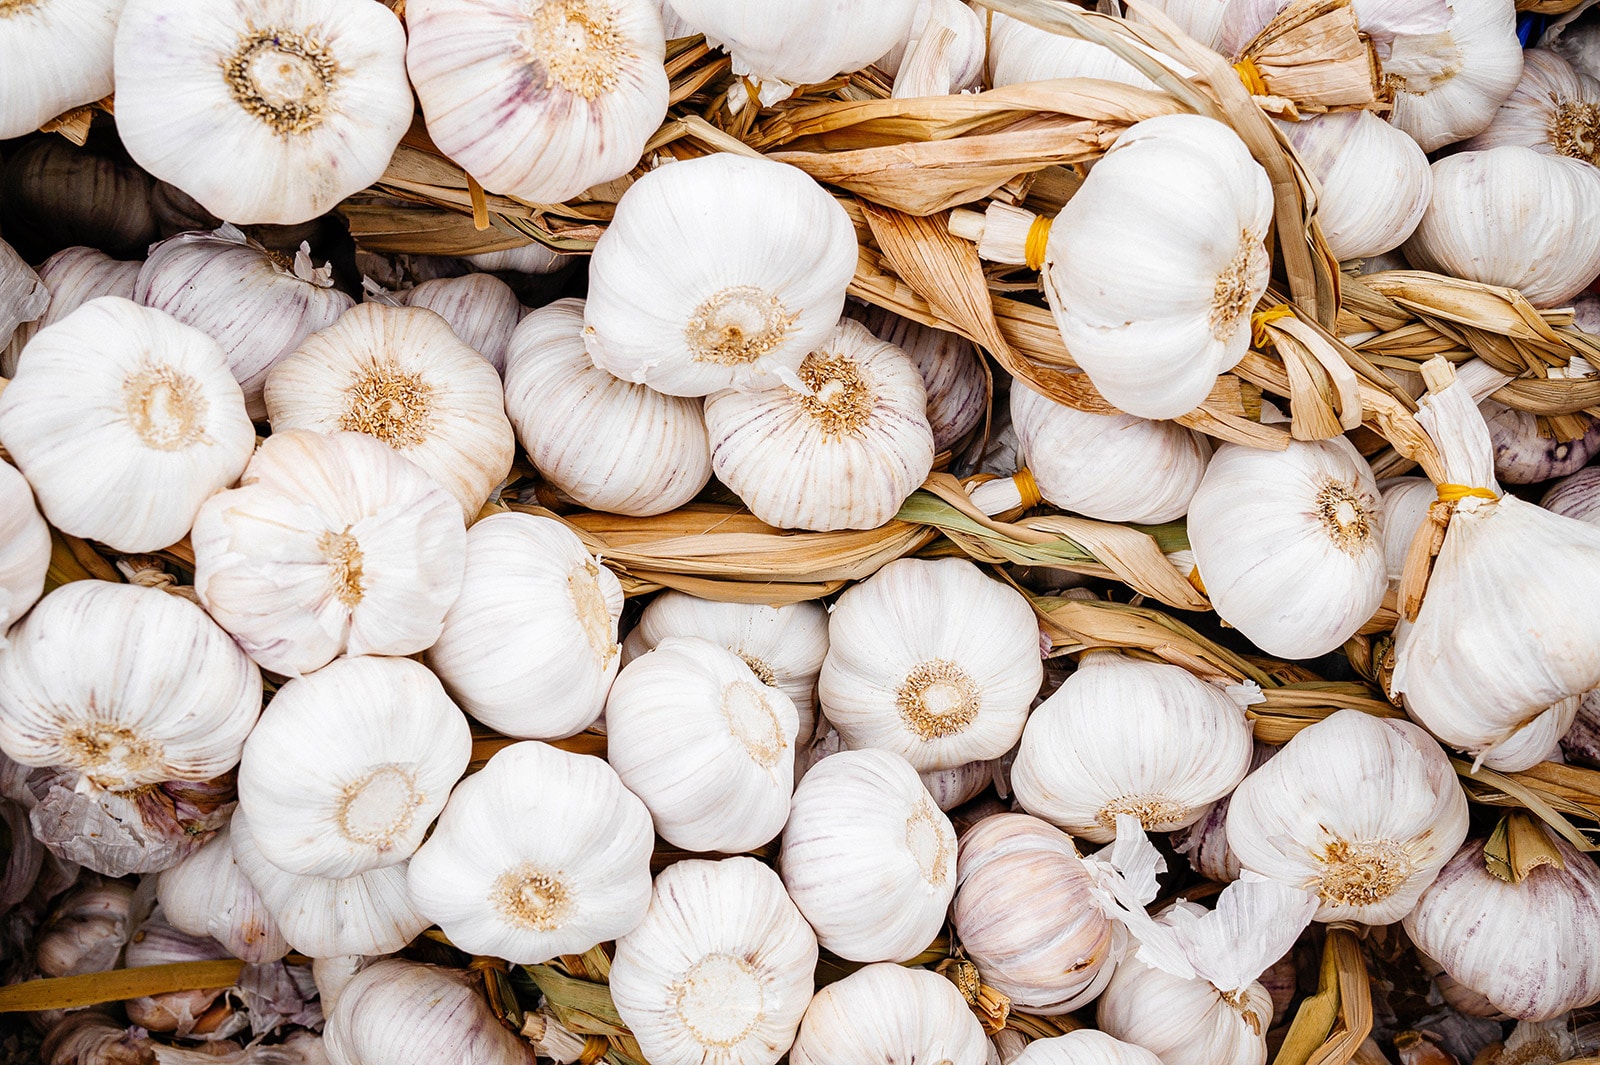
887, 1014
1290, 543
951, 368
1363, 811
124, 420
540, 853
207, 895
126, 685
262, 110
481, 309
258, 305
73, 277
54, 55
718, 272
397, 1012
1554, 110
720, 969
24, 549
868, 857
610, 444
401, 375
1447, 86
1524, 455
530, 648
1084, 1047
937, 686
1020, 52
541, 100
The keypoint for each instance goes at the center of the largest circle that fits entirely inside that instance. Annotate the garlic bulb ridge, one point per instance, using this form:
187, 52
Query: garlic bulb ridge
77, 36
885, 1014
481, 309
24, 549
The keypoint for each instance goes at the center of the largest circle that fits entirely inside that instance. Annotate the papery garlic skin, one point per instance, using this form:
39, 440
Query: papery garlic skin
938, 687
124, 420
1084, 1047
1020, 52
610, 444
73, 277
951, 368
1406, 501
186, 1014
1576, 496
54, 55
542, 100
23, 297
207, 895
527, 873
943, 53
24, 549
1523, 456
1186, 1022
885, 1014
262, 110
87, 930
398, 1012
719, 969
1554, 110
761, 257
1448, 86
868, 857
530, 647
481, 309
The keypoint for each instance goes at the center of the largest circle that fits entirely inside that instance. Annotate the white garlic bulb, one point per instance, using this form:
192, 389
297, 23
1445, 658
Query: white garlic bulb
1084, 1047
842, 452
1447, 86
720, 969
532, 258
401, 375
951, 368
1576, 496
530, 647
760, 258
527, 873
885, 1014
1363, 811
1511, 216
126, 685
542, 100
310, 103
609, 444
868, 857
397, 1012
207, 895
1524, 455
1554, 110
481, 309
24, 549
938, 687
258, 305
1406, 501
54, 55
963, 783
73, 276
124, 420
1020, 52
943, 52
1290, 543
1114, 467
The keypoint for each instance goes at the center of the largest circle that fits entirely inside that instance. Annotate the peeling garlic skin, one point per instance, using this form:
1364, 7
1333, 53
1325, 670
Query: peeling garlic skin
24, 549
398, 1012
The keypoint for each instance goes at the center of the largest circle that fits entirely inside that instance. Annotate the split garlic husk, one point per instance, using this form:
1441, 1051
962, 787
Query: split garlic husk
481, 309
72, 277
607, 443
187, 1014
401, 375
1084, 1047
23, 297
720, 969
1447, 86
1290, 543
938, 687
124, 420
24, 549
527, 873
1363, 811
262, 110
207, 895
943, 53
842, 452
868, 857
952, 370
1020, 52
530, 647
760, 258
1577, 496
54, 55
1522, 455
398, 1012
257, 304
542, 100
1554, 110
885, 1014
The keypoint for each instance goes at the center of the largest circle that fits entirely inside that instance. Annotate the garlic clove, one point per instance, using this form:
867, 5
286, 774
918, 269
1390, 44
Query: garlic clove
883, 1014
207, 895
24, 549
1447, 86
54, 55
952, 371
481, 309
1084, 1047
398, 1012
72, 277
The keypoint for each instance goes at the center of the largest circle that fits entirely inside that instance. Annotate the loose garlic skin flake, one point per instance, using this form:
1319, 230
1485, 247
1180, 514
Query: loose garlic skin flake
888, 1014
207, 895
538, 854
124, 420
24, 549
398, 1012
54, 55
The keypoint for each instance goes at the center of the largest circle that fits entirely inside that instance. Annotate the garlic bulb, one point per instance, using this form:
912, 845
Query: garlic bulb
542, 100
253, 302
1522, 455
1084, 1047
23, 298
72, 277
1114, 467
402, 376
139, 830
1448, 86
527, 873
1510, 216
207, 895
129, 686
54, 55
530, 647
608, 443
885, 1014
311, 102
760, 258
87, 929
943, 52
124, 420
868, 857
532, 258
398, 1012
1554, 110
963, 783
1290, 543
1363, 811
57, 195
330, 545
952, 370
1576, 496
24, 549
1406, 501
937, 687
1020, 52
481, 309
719, 969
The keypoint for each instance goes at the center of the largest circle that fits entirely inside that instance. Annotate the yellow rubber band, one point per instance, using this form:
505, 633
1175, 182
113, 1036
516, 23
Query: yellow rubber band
1250, 74
1197, 583
1038, 240
1454, 493
1258, 323
1028, 488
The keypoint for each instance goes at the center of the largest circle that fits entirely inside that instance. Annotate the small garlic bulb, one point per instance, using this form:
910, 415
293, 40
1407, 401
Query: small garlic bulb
54, 55
73, 277
952, 370
86, 930
1084, 1047
1406, 501
401, 375
1554, 110
1363, 811
843, 453
760, 258
24, 549
720, 969
530, 648
1522, 455
57, 195
887, 1014
1114, 467
1576, 496
532, 258
126, 685
207, 895
1448, 86
311, 102
608, 443
539, 100
1290, 543
938, 687
481, 309
1020, 52
124, 420
529, 872
868, 857
186, 1014
397, 1012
